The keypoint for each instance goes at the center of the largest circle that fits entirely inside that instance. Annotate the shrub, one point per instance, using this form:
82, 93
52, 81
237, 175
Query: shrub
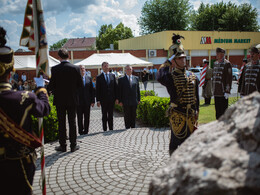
147, 93
50, 124
118, 108
142, 94
152, 109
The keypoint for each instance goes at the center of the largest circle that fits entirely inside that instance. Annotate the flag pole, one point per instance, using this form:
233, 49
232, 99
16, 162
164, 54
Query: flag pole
37, 20
34, 37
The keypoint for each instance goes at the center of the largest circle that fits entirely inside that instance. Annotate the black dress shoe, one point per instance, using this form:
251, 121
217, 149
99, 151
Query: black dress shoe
85, 132
81, 133
73, 149
60, 149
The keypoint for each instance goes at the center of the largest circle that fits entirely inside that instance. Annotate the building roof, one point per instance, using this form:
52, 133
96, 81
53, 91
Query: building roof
80, 42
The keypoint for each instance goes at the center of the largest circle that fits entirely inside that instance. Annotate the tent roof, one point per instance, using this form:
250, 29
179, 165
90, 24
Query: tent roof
114, 60
28, 62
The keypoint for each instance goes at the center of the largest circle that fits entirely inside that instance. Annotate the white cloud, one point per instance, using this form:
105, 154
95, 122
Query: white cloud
13, 32
13, 6
130, 3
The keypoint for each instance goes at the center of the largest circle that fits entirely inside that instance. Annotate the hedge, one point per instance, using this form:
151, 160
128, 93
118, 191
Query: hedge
50, 124
152, 109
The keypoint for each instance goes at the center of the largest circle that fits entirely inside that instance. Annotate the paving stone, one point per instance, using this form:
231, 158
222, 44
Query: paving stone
112, 162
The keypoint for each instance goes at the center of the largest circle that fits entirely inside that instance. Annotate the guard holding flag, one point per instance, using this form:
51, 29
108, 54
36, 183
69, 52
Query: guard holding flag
17, 139
183, 88
205, 82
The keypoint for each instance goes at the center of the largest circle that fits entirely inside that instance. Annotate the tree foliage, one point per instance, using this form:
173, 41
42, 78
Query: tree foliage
58, 44
160, 15
225, 17
108, 35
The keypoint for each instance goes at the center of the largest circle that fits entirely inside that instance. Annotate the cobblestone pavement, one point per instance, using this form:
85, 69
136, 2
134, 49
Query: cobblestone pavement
113, 162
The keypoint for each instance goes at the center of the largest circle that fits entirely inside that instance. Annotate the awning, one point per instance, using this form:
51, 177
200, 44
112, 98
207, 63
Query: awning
28, 62
114, 60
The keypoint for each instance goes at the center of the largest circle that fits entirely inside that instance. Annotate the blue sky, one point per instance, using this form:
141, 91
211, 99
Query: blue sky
79, 18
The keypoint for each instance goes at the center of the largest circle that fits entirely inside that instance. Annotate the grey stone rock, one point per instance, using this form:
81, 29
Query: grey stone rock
222, 157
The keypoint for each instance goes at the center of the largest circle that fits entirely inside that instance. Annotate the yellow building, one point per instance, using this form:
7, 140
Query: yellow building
198, 44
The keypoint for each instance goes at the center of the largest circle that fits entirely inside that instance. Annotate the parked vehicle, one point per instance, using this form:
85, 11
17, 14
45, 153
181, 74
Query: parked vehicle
196, 71
235, 74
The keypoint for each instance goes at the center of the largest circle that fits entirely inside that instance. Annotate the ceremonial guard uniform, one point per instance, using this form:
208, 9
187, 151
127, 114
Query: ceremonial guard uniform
182, 86
222, 82
207, 87
250, 77
17, 142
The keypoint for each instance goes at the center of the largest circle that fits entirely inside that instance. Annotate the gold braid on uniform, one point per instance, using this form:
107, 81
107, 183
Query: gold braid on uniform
12, 130
185, 87
4, 66
177, 121
186, 91
42, 89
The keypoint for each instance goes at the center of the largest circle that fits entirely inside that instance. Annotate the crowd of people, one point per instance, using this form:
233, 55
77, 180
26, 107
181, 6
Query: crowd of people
75, 93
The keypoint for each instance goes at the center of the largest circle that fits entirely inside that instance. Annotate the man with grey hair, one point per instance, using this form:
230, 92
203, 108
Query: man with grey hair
86, 96
129, 96
65, 82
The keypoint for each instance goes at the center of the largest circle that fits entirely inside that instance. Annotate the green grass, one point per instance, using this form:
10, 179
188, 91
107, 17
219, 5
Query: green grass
207, 112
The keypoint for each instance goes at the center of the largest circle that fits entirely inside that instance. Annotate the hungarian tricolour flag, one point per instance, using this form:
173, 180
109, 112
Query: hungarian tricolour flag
202, 75
34, 35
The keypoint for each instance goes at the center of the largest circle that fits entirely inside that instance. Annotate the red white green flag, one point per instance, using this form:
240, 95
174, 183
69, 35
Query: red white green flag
34, 35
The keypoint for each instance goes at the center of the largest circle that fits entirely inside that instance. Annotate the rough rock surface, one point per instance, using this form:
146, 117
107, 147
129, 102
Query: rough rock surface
221, 157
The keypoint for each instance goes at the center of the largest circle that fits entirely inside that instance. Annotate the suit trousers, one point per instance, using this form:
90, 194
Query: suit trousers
107, 114
61, 114
83, 112
221, 104
129, 116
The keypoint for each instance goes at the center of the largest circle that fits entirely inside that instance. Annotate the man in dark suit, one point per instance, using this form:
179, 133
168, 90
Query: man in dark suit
129, 96
64, 83
106, 94
86, 99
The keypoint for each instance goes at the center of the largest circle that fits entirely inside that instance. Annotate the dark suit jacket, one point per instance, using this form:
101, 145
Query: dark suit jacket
104, 92
65, 81
129, 95
87, 93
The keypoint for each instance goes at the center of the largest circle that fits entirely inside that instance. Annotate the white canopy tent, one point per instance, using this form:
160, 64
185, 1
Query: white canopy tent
28, 62
114, 60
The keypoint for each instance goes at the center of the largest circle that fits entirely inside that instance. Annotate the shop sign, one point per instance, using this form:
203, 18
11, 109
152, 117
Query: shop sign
205, 40
232, 40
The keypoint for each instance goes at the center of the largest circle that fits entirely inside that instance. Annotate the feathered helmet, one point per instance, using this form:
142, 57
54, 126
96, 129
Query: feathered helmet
176, 48
6, 54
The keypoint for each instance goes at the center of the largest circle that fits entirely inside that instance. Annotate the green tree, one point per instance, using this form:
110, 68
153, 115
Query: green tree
225, 17
58, 44
108, 35
160, 15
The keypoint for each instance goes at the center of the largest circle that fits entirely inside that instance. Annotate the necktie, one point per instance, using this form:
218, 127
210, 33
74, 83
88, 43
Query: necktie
129, 77
107, 78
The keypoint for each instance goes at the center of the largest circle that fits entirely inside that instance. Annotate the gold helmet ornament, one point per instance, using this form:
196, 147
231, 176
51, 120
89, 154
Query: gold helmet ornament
176, 48
6, 54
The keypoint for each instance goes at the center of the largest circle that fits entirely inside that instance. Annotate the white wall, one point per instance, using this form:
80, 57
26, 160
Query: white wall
198, 53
